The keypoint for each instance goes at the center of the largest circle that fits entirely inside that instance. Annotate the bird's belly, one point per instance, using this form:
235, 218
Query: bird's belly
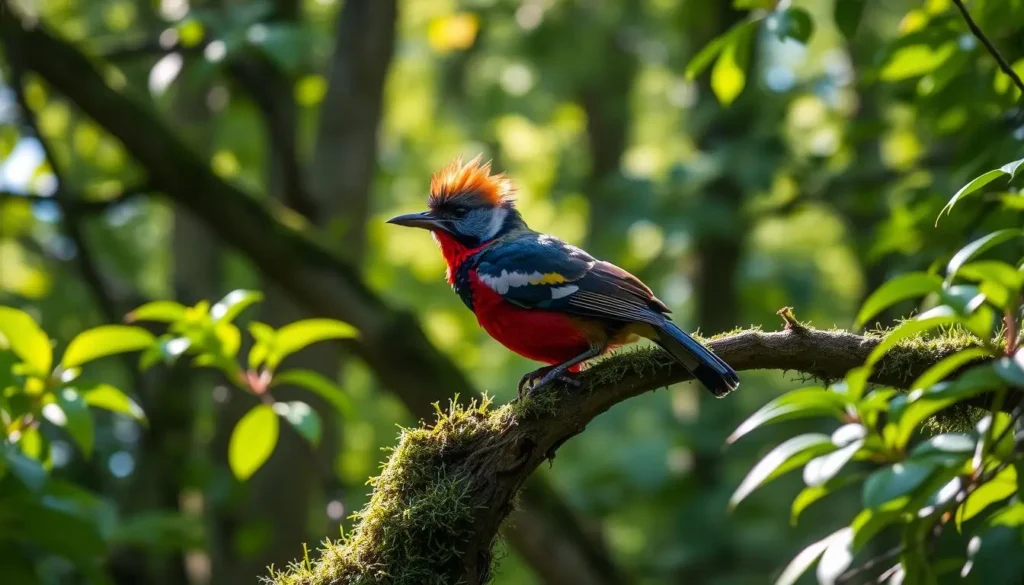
545, 336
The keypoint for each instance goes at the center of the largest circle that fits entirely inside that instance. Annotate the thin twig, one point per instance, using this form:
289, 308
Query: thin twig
87, 265
1003, 63
871, 564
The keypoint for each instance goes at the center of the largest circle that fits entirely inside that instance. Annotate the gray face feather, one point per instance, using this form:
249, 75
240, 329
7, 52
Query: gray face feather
482, 223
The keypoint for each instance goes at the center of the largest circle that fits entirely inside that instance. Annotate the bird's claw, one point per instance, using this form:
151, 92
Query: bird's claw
533, 381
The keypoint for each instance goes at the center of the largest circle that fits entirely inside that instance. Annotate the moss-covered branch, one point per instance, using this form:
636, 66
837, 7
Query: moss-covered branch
446, 489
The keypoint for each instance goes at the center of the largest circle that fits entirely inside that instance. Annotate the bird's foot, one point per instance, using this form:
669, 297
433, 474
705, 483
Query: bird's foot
533, 381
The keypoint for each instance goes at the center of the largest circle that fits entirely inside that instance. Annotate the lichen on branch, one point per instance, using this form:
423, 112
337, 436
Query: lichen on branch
444, 492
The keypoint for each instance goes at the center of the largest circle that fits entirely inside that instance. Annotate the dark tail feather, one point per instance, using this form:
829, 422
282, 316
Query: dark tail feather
708, 368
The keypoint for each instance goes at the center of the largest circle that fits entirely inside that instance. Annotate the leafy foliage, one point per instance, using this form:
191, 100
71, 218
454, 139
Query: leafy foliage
915, 489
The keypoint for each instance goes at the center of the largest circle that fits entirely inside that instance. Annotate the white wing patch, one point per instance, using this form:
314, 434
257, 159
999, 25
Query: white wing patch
559, 292
506, 280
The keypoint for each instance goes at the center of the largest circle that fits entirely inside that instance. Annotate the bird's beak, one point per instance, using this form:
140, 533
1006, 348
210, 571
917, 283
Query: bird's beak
425, 220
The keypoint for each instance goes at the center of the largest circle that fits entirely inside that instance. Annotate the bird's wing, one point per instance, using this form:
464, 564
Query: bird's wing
543, 272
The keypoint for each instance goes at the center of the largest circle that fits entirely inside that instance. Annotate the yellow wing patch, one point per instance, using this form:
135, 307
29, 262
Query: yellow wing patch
550, 278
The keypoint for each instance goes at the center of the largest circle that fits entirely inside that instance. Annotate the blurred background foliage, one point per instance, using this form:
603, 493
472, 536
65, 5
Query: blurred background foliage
804, 164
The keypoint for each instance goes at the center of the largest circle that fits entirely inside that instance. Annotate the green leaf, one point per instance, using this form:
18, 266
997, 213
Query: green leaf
232, 305
104, 341
804, 559
942, 369
252, 441
801, 403
929, 320
837, 558
847, 15
945, 449
297, 335
27, 470
964, 298
1011, 369
894, 481
71, 413
792, 23
810, 495
825, 467
993, 271
996, 555
901, 288
304, 419
997, 489
915, 60
1011, 168
110, 398
788, 455
22, 335
158, 311
318, 384
870, 521
974, 185
729, 74
706, 55
978, 246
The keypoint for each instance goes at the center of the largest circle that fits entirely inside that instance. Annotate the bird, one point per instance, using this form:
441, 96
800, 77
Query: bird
542, 298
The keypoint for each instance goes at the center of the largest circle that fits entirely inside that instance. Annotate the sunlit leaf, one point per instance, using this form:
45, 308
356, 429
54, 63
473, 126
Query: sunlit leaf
894, 481
945, 449
870, 521
319, 385
113, 399
158, 311
20, 333
297, 335
711, 50
788, 455
837, 558
825, 467
915, 60
230, 339
978, 246
232, 305
729, 74
801, 403
904, 287
974, 185
104, 341
303, 419
1011, 168
810, 495
804, 559
997, 489
927, 321
252, 441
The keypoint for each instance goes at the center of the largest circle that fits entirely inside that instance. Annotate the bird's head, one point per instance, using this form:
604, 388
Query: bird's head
467, 204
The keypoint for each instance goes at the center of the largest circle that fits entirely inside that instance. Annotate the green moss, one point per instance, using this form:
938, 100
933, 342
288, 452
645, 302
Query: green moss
415, 527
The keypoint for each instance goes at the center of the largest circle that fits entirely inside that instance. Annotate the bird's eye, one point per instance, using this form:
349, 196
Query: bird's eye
460, 212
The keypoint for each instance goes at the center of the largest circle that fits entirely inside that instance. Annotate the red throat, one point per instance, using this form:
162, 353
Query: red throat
454, 253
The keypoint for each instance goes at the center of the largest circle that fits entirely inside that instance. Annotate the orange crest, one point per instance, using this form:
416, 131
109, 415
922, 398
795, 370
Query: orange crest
471, 180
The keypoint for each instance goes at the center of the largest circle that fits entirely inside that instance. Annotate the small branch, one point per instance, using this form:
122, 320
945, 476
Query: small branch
1003, 63
79, 205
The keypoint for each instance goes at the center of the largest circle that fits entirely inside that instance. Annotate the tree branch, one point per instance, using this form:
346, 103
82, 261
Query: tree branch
480, 457
78, 205
1003, 63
